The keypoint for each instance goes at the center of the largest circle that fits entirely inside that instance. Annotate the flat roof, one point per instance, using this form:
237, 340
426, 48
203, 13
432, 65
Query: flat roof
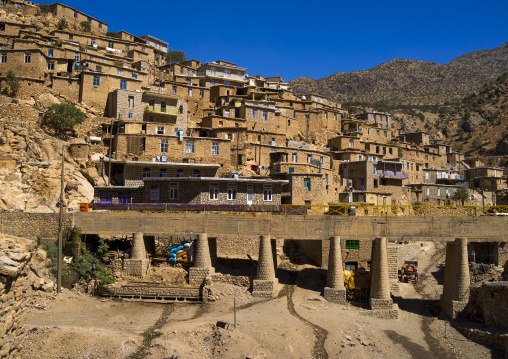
163, 163
220, 179
154, 38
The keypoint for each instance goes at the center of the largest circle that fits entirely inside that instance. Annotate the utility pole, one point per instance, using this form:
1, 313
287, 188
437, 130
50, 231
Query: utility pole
110, 149
237, 146
60, 225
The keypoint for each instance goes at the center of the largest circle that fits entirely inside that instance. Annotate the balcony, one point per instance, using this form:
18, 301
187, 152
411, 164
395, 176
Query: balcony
391, 174
158, 110
450, 176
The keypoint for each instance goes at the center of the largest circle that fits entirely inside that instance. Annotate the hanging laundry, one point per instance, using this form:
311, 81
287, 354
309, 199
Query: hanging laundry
254, 168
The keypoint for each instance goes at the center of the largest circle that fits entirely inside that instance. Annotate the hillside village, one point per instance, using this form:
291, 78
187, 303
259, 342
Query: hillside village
207, 133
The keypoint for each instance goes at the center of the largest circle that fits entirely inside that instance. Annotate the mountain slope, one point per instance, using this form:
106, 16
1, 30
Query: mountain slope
411, 82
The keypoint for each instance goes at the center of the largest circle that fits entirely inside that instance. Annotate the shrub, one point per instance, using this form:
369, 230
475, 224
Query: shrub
13, 82
85, 26
175, 56
62, 24
63, 117
114, 34
43, 8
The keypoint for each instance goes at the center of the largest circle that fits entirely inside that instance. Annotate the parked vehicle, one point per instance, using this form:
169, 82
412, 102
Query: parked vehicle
409, 272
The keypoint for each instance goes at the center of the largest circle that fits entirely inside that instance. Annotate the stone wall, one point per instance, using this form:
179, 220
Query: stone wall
15, 254
237, 247
32, 225
494, 304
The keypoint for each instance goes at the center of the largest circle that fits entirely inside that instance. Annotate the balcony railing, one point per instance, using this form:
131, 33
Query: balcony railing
391, 174
450, 176
164, 111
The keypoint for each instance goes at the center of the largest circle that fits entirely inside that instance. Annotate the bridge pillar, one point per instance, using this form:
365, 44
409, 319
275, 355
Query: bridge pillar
380, 281
137, 264
334, 290
202, 262
265, 283
456, 278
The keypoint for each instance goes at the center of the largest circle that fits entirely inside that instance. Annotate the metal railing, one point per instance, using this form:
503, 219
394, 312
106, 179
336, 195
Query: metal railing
315, 209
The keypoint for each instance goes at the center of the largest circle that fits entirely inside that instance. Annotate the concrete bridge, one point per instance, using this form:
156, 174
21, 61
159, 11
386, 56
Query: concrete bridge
456, 231
312, 227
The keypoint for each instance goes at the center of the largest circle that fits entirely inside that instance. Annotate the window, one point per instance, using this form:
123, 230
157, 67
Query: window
160, 130
267, 192
51, 65
326, 179
214, 191
127, 47
426, 175
291, 169
164, 146
151, 102
96, 80
428, 191
146, 172
351, 143
306, 184
50, 52
377, 133
254, 113
143, 49
309, 159
322, 160
174, 89
375, 169
4, 58
131, 101
180, 110
123, 85
212, 82
326, 115
134, 76
215, 148
201, 93
226, 113
130, 115
75, 14
76, 57
227, 83
173, 190
265, 115
179, 172
163, 106
163, 172
100, 25
231, 192
110, 44
88, 20
119, 72
295, 157
189, 146
335, 117
98, 68
196, 173
385, 134
124, 197
190, 92
106, 197
439, 191
28, 58
353, 244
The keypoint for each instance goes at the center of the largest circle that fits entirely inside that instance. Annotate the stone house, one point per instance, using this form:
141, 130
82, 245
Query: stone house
494, 176
432, 193
75, 17
221, 73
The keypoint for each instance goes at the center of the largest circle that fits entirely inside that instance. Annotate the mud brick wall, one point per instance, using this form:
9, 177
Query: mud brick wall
136, 267
15, 254
237, 247
32, 225
153, 291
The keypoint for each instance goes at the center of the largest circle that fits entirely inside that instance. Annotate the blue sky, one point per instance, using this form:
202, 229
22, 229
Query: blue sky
311, 38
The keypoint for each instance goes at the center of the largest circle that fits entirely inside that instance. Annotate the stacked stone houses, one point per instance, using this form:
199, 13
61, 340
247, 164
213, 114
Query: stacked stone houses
207, 133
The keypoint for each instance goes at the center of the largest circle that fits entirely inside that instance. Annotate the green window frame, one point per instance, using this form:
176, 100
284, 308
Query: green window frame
353, 244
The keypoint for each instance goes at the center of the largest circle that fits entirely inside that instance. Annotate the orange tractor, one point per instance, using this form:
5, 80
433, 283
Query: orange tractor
409, 272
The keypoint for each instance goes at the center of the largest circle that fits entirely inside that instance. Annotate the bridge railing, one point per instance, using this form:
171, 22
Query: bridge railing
313, 209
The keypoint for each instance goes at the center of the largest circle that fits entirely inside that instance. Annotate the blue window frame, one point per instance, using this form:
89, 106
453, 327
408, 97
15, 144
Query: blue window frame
123, 84
96, 81
50, 52
124, 197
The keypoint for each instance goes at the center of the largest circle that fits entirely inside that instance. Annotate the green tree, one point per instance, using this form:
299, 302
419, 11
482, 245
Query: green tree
460, 195
85, 26
63, 117
175, 56
62, 24
114, 34
44, 8
12, 82
484, 185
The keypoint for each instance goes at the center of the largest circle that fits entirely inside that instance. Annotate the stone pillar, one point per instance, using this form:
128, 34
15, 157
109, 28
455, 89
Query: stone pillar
137, 264
334, 290
456, 278
265, 283
380, 281
202, 262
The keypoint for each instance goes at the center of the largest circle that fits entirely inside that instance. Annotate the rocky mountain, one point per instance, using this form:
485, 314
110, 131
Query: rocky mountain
410, 82
479, 127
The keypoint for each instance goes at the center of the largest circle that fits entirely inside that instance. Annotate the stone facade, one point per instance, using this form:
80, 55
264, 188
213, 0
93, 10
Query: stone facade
494, 304
15, 254
75, 17
456, 278
151, 291
32, 225
136, 267
265, 283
